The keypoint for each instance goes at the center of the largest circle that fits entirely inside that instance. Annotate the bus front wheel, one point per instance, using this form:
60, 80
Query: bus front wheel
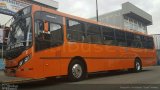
77, 71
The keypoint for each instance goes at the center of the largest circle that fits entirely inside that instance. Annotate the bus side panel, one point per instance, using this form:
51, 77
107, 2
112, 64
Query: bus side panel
150, 58
131, 55
71, 50
97, 57
28, 69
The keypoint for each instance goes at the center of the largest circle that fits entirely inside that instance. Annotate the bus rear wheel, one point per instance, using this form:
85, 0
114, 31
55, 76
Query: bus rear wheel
138, 66
77, 71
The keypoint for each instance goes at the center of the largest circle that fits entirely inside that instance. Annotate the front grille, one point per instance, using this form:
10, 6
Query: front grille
11, 67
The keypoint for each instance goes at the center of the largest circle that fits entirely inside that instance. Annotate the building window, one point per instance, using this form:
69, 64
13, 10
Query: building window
126, 23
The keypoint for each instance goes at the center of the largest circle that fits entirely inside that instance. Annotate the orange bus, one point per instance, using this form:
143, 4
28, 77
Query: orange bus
47, 43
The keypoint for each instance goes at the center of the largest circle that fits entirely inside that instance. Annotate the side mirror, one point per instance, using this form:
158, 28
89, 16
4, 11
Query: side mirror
46, 26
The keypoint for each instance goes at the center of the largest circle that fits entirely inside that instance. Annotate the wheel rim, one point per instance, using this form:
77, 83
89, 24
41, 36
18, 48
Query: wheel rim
138, 66
77, 71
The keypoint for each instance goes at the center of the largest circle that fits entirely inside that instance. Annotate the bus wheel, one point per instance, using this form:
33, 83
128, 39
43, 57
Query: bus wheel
77, 71
137, 66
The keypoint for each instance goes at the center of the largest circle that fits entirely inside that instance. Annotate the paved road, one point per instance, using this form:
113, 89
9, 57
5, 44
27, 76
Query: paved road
149, 75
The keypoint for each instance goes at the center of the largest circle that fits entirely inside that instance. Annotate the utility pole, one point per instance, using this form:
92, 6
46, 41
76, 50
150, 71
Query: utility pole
97, 10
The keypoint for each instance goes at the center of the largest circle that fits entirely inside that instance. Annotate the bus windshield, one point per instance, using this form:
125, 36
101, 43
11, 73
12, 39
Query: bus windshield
20, 35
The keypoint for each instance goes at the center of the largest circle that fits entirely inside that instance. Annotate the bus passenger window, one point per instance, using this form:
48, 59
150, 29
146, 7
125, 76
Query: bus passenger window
56, 34
130, 39
144, 41
121, 38
137, 41
94, 34
75, 31
108, 36
150, 43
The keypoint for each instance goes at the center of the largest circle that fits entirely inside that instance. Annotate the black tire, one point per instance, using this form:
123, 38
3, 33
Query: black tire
137, 66
75, 68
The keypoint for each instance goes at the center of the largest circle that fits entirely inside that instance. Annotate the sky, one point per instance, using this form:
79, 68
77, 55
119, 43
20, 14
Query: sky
87, 9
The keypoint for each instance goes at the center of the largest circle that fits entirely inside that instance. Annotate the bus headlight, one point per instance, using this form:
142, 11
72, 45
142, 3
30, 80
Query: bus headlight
24, 60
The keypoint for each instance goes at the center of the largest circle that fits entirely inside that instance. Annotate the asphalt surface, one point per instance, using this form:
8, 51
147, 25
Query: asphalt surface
148, 79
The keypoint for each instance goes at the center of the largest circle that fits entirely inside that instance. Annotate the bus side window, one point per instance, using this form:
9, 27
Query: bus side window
75, 30
108, 36
150, 43
39, 27
94, 34
56, 34
137, 41
121, 38
130, 39
144, 41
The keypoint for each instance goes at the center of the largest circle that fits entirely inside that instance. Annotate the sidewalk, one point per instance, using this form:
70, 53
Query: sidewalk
16, 80
1, 74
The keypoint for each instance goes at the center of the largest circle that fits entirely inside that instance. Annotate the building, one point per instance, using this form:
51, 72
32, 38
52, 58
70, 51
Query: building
10, 7
2, 65
1, 40
157, 41
1, 43
157, 45
46, 3
4, 32
129, 17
